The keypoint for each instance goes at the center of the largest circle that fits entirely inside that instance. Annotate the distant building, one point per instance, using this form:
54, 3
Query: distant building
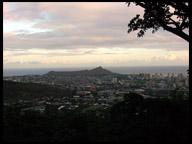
150, 76
113, 100
147, 76
61, 107
172, 78
174, 85
156, 75
132, 81
168, 75
141, 75
161, 75
41, 109
180, 77
186, 83
114, 80
139, 91
82, 93
176, 80
76, 97
150, 83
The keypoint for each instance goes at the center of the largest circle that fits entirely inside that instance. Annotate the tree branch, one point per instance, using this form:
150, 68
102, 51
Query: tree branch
157, 15
176, 31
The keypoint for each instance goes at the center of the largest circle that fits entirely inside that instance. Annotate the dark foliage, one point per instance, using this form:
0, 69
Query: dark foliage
159, 14
14, 91
133, 120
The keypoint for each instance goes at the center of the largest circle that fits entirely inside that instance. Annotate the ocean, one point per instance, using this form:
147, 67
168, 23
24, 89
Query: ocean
122, 70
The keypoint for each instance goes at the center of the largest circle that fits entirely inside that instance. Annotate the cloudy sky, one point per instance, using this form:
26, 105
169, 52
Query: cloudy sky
45, 35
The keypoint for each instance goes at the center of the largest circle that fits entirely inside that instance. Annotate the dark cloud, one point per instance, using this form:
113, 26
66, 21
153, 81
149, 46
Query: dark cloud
51, 40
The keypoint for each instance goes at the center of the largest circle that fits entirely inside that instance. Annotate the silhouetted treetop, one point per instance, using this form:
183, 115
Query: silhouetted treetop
171, 16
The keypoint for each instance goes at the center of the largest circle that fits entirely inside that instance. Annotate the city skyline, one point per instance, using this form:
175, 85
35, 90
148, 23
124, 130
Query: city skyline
43, 35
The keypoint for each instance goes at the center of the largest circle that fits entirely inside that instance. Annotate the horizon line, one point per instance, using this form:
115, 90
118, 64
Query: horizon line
96, 67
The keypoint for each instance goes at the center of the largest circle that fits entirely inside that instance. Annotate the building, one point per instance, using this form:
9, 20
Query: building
139, 91
161, 75
83, 93
180, 77
168, 75
186, 83
114, 80
156, 75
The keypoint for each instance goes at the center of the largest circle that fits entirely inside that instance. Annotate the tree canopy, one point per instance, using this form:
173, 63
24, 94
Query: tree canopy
171, 16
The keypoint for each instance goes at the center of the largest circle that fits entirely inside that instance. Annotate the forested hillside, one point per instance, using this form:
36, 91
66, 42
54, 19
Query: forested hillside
14, 91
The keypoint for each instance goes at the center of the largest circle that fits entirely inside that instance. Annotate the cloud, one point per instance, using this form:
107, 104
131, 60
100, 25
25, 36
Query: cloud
23, 11
82, 25
33, 62
170, 60
68, 52
62, 40
76, 29
21, 31
24, 62
111, 62
172, 57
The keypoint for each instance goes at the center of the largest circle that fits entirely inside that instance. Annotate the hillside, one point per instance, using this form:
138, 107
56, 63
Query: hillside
99, 71
14, 91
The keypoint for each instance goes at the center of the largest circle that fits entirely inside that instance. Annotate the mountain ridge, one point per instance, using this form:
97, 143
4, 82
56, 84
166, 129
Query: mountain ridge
98, 71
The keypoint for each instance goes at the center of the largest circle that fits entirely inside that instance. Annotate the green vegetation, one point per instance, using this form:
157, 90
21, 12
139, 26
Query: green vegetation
133, 120
121, 76
14, 91
91, 108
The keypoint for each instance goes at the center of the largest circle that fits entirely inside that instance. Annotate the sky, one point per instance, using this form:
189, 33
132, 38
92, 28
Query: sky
64, 34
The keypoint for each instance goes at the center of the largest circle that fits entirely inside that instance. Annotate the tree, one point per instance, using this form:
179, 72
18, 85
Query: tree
171, 16
133, 98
